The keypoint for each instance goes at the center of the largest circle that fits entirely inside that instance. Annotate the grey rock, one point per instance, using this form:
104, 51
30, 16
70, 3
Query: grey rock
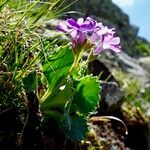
111, 98
98, 68
137, 68
132, 66
145, 62
112, 94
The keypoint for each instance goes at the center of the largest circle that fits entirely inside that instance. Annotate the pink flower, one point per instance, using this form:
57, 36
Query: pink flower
99, 35
108, 42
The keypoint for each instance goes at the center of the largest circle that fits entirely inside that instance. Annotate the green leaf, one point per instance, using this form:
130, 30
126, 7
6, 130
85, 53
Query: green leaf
77, 128
86, 98
59, 100
30, 82
56, 68
53, 114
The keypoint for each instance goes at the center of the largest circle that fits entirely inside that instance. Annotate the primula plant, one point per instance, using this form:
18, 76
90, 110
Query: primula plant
72, 94
55, 74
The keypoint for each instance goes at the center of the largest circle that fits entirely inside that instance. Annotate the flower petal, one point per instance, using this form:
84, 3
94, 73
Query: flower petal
71, 22
98, 50
62, 27
73, 33
116, 48
115, 41
94, 38
81, 38
80, 21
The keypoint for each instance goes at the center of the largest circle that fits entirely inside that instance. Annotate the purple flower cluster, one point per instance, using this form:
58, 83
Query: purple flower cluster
89, 29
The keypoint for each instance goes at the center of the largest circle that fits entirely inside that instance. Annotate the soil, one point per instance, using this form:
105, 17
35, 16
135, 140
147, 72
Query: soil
103, 135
